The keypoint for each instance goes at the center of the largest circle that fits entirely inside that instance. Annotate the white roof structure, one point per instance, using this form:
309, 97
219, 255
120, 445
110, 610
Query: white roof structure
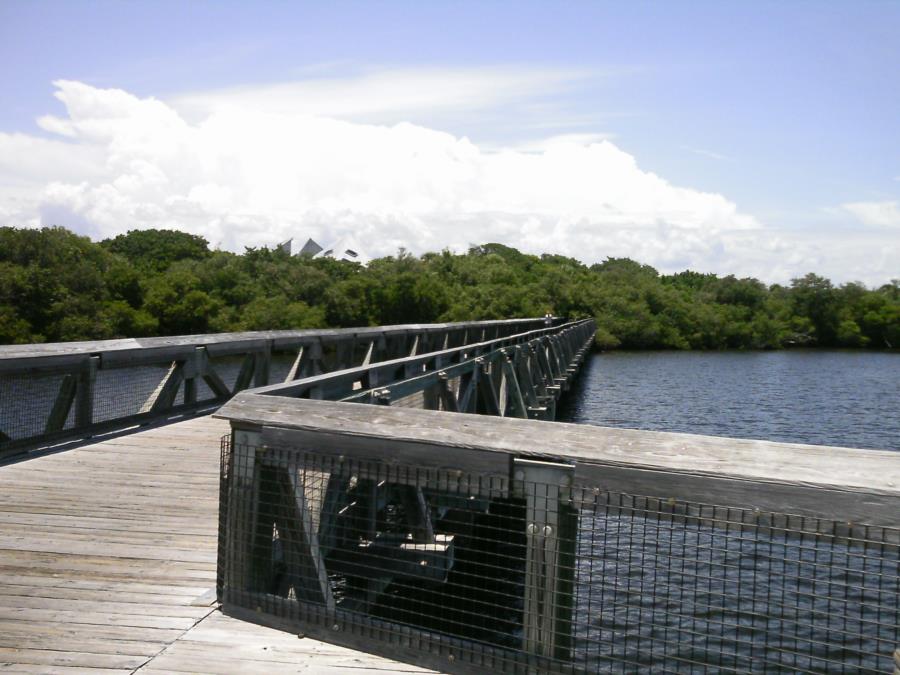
344, 248
310, 248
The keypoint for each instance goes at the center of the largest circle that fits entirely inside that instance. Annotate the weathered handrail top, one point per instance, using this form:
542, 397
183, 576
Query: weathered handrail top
279, 338
862, 485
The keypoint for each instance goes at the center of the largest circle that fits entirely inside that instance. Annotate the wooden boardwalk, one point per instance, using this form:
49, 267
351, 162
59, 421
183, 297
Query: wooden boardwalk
108, 565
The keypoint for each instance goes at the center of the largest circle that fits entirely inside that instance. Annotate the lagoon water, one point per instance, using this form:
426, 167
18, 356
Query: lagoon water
703, 599
823, 397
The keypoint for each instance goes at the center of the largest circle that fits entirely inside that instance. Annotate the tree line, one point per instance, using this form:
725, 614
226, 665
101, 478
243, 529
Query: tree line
58, 286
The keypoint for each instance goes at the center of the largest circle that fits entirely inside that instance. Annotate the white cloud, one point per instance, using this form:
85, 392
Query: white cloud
875, 214
709, 154
385, 95
242, 173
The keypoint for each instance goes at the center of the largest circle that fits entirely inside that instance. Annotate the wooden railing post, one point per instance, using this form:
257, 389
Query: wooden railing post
236, 552
84, 394
62, 405
262, 366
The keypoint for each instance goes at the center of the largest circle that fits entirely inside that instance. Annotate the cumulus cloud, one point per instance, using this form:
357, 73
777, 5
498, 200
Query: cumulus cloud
245, 173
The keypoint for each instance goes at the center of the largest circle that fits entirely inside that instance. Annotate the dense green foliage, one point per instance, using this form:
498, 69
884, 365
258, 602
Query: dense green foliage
55, 286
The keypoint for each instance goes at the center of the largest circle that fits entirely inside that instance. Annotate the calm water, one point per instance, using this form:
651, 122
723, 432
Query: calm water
821, 397
705, 599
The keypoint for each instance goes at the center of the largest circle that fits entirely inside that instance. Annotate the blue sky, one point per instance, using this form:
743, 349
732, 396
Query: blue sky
788, 111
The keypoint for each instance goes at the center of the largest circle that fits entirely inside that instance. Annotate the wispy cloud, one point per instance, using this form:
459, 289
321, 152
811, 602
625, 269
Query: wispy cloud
541, 145
875, 214
379, 95
705, 153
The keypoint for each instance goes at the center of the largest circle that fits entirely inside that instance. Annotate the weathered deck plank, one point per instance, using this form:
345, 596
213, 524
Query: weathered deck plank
108, 557
221, 644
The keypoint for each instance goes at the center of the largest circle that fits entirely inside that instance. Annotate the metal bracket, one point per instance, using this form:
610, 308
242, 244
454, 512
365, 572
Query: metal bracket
547, 490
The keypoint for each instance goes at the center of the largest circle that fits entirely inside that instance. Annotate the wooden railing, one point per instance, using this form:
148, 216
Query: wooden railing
522, 376
468, 543
51, 393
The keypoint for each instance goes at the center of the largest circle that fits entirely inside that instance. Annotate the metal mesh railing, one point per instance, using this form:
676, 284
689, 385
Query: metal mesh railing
40, 391
520, 573
687, 586
54, 404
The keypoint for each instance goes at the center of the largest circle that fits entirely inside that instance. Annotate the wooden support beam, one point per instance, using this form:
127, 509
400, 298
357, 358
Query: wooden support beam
305, 501
544, 363
448, 399
215, 383
513, 392
431, 398
343, 356
524, 376
62, 405
294, 371
367, 359
488, 394
466, 397
418, 515
559, 368
261, 573
315, 364
245, 373
163, 397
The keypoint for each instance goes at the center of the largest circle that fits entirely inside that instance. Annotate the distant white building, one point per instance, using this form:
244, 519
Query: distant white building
345, 248
310, 248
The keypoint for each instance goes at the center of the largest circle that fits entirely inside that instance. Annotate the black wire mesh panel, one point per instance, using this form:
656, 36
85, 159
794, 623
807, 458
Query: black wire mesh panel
120, 392
683, 587
428, 561
468, 572
27, 401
